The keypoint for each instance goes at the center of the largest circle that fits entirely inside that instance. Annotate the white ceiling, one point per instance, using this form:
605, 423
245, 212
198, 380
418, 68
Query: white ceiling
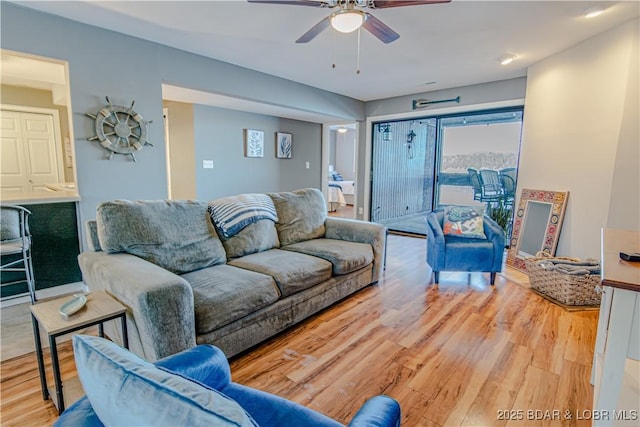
452, 44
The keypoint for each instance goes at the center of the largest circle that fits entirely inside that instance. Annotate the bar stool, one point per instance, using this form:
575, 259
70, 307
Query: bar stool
15, 239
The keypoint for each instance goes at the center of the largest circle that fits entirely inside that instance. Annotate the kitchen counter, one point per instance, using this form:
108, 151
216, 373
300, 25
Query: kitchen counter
40, 197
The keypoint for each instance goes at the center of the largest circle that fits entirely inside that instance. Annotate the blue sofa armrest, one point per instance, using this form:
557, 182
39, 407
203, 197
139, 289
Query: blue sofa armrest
379, 411
204, 363
435, 241
495, 234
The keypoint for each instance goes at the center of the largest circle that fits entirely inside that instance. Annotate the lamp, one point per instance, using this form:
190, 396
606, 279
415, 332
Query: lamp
342, 130
347, 21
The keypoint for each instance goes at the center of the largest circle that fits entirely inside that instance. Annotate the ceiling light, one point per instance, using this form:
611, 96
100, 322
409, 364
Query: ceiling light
342, 130
347, 21
593, 12
507, 59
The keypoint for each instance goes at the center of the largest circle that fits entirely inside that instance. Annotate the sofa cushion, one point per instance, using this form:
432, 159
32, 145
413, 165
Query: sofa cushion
223, 294
344, 256
301, 215
259, 236
126, 390
293, 272
176, 235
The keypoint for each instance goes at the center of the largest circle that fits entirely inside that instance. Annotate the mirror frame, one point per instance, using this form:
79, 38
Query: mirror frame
558, 201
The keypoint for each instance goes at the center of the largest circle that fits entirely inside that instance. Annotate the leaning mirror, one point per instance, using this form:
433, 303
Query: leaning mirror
536, 226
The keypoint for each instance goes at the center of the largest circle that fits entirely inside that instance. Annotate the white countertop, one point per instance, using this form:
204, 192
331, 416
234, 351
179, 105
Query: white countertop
40, 197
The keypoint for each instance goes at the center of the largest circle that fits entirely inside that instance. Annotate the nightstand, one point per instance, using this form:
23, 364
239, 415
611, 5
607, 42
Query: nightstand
99, 308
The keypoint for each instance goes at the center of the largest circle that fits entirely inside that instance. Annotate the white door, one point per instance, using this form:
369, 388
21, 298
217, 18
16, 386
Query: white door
29, 151
13, 174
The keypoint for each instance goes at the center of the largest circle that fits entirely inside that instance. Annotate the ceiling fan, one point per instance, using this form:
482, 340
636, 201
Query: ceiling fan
350, 15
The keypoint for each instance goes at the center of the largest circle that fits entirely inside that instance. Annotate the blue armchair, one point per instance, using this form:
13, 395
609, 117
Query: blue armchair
454, 253
205, 366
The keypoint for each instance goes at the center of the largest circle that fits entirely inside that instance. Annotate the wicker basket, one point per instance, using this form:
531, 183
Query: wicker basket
567, 289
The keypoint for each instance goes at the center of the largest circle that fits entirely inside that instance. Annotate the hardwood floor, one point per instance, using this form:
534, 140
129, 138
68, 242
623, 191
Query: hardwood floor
458, 353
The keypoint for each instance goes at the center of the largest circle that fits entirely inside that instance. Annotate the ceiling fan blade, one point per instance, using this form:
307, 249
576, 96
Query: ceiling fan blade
314, 31
314, 3
381, 4
379, 29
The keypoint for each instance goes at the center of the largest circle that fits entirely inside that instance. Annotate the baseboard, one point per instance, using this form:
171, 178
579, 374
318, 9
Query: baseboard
47, 293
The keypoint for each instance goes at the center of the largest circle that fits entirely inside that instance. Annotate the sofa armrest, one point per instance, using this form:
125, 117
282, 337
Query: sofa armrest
495, 234
379, 411
204, 363
360, 232
160, 311
435, 242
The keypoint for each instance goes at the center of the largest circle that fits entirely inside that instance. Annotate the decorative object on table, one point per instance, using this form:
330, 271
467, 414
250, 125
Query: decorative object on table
565, 281
536, 225
253, 143
284, 145
120, 129
16, 240
72, 306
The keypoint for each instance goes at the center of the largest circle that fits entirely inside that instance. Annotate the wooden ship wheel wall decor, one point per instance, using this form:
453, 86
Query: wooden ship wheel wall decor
120, 130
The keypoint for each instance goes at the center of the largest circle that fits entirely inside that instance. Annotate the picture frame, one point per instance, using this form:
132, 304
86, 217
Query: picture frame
253, 143
536, 225
284, 145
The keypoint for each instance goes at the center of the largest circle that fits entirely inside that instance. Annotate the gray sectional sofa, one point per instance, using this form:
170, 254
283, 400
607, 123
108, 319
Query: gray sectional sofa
187, 277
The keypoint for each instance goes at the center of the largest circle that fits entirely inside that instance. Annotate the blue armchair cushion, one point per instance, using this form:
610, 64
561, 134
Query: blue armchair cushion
464, 221
126, 390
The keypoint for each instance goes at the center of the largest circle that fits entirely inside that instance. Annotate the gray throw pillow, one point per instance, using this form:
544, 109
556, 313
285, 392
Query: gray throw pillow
301, 215
174, 234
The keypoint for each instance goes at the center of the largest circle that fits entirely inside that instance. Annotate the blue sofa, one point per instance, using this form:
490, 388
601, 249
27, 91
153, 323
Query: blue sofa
454, 253
204, 367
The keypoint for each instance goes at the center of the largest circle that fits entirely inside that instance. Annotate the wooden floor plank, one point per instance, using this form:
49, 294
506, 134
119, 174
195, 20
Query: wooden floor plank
452, 354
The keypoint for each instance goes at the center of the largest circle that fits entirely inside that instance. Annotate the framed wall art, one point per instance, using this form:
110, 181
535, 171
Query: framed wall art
253, 143
284, 145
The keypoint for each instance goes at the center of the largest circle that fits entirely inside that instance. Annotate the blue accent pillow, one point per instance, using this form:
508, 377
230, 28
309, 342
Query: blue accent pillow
464, 221
125, 390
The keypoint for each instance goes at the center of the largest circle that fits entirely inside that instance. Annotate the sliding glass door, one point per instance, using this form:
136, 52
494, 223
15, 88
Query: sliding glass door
422, 164
403, 173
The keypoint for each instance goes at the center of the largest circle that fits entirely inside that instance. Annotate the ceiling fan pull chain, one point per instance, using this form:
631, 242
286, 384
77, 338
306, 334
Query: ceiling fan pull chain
333, 49
358, 54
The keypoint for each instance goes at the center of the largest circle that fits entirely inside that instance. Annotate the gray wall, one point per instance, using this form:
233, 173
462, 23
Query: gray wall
104, 63
219, 136
469, 95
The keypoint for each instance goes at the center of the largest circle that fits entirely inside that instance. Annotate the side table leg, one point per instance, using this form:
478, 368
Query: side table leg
56, 373
43, 376
125, 335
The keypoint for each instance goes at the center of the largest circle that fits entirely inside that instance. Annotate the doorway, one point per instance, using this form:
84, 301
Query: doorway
342, 170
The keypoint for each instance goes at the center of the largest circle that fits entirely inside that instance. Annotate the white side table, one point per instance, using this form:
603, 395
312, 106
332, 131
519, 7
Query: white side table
99, 308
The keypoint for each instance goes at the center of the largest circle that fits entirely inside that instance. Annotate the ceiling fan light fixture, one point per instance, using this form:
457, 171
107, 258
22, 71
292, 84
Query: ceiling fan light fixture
347, 21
